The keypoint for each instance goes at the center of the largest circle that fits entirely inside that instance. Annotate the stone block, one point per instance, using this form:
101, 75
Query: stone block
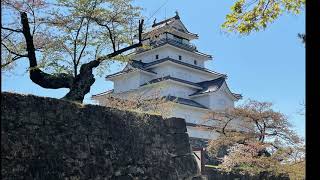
176, 125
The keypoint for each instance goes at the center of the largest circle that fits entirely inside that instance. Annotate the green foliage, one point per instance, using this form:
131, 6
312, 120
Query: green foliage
247, 16
68, 33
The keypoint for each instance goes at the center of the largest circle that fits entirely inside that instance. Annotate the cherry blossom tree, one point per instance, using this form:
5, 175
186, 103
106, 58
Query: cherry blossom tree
65, 40
255, 138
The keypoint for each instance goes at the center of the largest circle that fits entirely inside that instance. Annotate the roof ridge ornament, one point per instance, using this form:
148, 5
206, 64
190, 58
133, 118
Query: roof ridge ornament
177, 15
154, 21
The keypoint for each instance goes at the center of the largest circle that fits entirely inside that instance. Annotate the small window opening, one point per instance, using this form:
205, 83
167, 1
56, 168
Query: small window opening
195, 62
157, 56
180, 57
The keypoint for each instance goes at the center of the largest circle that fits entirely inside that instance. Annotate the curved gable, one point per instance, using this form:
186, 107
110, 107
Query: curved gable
225, 89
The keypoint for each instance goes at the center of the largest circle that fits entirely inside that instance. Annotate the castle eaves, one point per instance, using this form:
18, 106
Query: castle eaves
213, 86
185, 47
173, 79
148, 65
184, 101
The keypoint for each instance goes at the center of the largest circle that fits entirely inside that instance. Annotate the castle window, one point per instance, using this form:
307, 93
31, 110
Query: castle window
195, 62
157, 56
180, 57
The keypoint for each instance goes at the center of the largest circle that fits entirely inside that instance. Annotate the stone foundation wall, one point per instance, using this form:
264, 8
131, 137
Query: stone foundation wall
46, 138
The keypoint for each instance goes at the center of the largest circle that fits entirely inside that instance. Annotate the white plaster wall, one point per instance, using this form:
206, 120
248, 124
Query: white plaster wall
198, 133
165, 89
182, 73
186, 57
144, 78
150, 56
127, 82
169, 51
180, 90
131, 80
220, 100
190, 114
204, 100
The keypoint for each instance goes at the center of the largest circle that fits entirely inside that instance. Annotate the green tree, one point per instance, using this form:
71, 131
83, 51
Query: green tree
68, 39
254, 15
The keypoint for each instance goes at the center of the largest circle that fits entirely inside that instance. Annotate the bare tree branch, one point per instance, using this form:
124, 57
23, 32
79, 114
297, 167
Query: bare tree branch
12, 52
5, 37
109, 31
120, 51
11, 61
85, 42
14, 30
75, 66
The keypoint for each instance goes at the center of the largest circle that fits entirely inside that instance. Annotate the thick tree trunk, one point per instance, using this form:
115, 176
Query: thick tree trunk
36, 75
82, 82
80, 85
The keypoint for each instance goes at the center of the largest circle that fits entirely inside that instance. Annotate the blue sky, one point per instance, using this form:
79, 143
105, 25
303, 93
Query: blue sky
267, 66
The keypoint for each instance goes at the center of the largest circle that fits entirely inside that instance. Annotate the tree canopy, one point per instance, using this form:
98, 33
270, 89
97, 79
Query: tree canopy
255, 138
68, 39
247, 16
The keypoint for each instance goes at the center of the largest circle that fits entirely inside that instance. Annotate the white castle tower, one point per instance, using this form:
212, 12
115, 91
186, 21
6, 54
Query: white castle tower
174, 68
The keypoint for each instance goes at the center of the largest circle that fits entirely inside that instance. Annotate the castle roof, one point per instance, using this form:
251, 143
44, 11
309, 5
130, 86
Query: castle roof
169, 23
171, 78
169, 20
103, 93
213, 86
181, 63
184, 101
206, 86
144, 66
175, 99
168, 41
210, 86
131, 66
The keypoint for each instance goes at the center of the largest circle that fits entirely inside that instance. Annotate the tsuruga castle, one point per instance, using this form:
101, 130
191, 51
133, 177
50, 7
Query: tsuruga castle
172, 67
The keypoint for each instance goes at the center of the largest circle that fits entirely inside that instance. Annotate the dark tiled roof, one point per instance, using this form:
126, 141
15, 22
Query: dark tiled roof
179, 100
135, 64
239, 96
171, 20
139, 65
165, 21
171, 78
201, 125
184, 101
186, 47
144, 66
118, 73
103, 93
210, 86
182, 63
